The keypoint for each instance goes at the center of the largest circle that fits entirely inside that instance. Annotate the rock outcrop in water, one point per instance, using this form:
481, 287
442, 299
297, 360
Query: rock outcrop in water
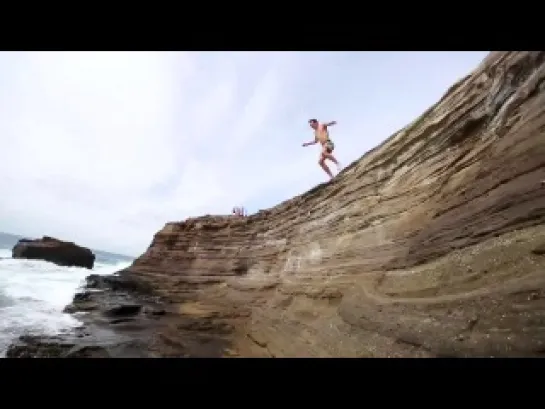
429, 245
62, 253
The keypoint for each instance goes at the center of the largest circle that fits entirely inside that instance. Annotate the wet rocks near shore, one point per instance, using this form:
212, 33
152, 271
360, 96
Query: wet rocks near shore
53, 347
122, 319
105, 305
56, 251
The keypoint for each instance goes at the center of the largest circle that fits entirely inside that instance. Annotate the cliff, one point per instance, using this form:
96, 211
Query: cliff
427, 246
432, 244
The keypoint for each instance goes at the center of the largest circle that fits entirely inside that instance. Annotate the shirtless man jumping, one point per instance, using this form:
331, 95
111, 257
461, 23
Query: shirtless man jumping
321, 134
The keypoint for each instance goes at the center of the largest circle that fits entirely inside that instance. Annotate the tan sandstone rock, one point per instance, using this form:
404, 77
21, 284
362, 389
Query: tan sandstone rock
426, 246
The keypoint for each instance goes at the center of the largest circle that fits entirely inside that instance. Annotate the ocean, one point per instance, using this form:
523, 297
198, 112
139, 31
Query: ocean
33, 293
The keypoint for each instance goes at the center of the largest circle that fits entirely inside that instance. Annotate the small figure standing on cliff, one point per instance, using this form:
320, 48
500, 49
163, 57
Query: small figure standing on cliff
239, 211
321, 134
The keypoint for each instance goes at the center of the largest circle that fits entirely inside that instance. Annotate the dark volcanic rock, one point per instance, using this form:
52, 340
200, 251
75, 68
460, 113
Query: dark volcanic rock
121, 321
31, 347
123, 310
62, 253
66, 347
117, 282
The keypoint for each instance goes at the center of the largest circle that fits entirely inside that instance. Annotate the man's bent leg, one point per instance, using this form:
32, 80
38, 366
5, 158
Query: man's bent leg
328, 155
324, 167
327, 152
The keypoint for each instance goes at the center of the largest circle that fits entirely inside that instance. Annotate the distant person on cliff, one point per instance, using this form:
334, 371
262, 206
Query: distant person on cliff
321, 134
239, 211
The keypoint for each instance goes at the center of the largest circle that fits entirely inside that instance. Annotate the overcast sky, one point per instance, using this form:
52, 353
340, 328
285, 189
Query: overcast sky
104, 148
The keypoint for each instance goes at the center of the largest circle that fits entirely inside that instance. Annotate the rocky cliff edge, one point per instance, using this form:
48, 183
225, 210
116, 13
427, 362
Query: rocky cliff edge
432, 244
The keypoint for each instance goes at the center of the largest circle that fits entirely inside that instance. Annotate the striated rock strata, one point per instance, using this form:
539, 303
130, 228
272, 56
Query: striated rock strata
429, 245
60, 252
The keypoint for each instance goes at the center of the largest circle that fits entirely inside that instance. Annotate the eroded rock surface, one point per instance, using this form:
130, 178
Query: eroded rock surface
429, 245
60, 252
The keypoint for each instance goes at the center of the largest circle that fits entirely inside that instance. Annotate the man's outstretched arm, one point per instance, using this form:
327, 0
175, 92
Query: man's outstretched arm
330, 123
310, 143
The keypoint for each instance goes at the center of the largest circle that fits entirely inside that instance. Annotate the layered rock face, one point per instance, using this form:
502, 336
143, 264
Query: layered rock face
430, 245
60, 252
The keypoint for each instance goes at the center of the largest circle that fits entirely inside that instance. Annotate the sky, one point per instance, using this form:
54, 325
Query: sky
104, 148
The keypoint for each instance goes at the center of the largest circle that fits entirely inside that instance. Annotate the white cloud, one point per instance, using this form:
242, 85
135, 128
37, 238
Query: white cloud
103, 148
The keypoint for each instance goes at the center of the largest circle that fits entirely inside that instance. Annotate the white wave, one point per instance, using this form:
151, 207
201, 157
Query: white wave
33, 294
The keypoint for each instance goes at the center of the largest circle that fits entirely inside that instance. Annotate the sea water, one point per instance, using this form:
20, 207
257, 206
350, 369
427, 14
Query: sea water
34, 293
